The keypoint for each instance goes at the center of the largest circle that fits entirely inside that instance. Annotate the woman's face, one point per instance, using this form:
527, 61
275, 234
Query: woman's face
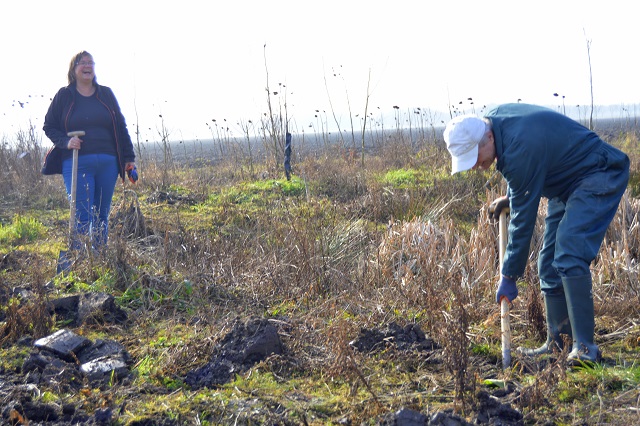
85, 69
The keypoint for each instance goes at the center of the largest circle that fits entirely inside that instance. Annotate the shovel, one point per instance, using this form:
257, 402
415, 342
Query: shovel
64, 262
504, 303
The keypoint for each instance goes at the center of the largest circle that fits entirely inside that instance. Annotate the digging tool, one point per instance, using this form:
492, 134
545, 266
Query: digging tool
504, 303
64, 263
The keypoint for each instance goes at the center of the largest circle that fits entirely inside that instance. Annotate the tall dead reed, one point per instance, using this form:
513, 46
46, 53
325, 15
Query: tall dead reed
429, 265
616, 270
20, 164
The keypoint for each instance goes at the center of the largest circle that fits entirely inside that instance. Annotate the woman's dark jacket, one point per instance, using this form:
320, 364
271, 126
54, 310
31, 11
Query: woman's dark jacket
56, 128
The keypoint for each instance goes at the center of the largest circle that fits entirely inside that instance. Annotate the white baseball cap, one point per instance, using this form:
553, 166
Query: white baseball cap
462, 135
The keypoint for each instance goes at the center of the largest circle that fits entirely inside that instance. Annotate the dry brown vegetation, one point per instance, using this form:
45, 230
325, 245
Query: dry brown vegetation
338, 249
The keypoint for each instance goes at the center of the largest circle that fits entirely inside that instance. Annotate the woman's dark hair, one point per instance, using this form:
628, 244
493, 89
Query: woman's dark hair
71, 76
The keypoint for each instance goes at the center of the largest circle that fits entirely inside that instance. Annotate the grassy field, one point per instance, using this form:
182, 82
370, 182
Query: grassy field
350, 243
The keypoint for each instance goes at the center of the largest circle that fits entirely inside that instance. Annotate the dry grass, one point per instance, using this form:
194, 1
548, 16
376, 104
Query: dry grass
347, 251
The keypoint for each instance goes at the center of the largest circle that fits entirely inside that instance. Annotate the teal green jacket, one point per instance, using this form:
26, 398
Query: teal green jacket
540, 153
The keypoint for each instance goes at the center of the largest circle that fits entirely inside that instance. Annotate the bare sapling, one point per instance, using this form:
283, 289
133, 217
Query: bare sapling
364, 122
590, 80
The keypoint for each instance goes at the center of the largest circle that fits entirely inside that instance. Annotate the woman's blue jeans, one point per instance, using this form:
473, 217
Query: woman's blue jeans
97, 175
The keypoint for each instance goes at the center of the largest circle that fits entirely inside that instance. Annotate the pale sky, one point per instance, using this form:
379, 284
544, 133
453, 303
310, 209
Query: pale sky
194, 61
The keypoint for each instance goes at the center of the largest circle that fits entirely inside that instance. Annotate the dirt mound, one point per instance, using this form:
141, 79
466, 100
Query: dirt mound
171, 198
409, 337
491, 411
246, 344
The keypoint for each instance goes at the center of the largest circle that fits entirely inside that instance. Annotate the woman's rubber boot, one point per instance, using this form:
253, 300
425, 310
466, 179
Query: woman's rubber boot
578, 291
558, 323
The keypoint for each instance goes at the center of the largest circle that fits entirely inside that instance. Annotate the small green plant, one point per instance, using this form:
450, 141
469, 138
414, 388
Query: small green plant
106, 280
613, 378
244, 201
401, 178
283, 308
172, 384
569, 394
145, 367
12, 358
166, 341
48, 397
74, 284
483, 349
21, 230
291, 188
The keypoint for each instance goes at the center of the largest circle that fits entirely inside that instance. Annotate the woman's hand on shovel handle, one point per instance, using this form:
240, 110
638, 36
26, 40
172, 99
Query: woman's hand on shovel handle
74, 143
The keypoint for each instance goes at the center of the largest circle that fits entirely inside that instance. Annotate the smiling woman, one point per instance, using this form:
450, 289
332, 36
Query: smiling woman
81, 71
92, 147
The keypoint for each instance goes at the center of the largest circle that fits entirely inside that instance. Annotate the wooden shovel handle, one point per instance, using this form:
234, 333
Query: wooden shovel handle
504, 303
74, 187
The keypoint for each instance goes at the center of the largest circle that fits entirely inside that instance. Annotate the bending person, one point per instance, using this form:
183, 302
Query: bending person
542, 153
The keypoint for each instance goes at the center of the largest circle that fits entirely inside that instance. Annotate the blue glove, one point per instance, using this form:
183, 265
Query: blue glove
507, 288
132, 173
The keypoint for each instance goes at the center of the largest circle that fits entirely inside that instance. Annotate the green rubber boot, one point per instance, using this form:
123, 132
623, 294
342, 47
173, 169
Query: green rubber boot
581, 314
555, 305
